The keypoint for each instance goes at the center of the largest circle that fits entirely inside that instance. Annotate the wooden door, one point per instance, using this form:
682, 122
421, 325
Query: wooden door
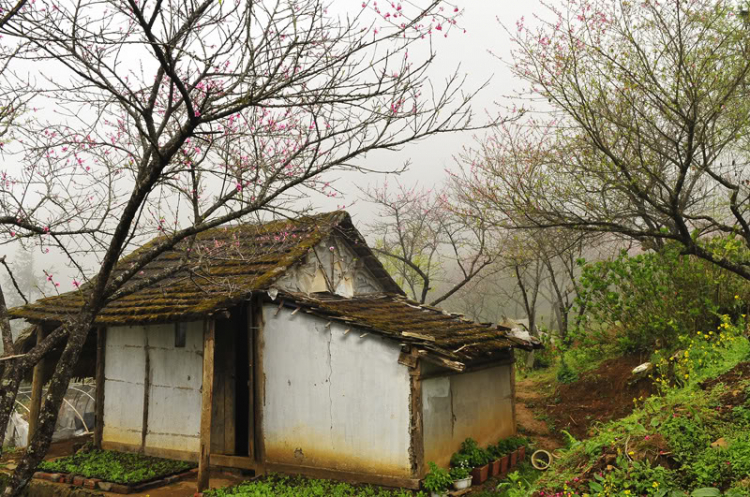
232, 427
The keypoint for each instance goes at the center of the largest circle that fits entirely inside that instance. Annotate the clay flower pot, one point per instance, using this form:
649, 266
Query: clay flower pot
521, 453
513, 459
504, 465
495, 468
480, 474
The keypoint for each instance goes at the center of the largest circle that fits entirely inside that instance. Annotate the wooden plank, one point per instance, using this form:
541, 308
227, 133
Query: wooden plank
37, 384
470, 369
217, 405
258, 385
251, 379
408, 360
417, 422
146, 390
209, 335
101, 347
239, 462
441, 361
346, 476
230, 387
513, 390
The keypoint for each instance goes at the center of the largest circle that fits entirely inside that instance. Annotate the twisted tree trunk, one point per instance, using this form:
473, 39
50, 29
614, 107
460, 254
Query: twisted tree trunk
58, 387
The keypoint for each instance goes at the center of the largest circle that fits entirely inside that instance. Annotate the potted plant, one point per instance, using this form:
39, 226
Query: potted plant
523, 443
461, 477
503, 449
496, 462
513, 458
460, 459
480, 459
437, 481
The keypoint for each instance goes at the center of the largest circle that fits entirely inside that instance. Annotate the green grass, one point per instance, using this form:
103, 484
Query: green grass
297, 486
115, 467
664, 448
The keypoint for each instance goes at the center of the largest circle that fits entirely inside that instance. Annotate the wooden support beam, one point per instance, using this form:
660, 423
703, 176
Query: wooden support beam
417, 422
146, 391
101, 344
232, 461
251, 311
37, 384
441, 361
258, 386
513, 390
209, 335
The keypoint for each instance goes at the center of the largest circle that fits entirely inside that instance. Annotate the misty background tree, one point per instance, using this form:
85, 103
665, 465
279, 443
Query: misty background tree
638, 126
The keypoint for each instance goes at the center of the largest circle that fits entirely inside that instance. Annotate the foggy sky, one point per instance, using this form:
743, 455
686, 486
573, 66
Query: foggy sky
468, 53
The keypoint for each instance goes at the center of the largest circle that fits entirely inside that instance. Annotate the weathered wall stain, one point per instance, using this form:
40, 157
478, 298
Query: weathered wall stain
175, 383
477, 405
332, 399
304, 448
338, 270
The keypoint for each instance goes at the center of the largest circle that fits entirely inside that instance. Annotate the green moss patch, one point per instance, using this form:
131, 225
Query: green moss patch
116, 467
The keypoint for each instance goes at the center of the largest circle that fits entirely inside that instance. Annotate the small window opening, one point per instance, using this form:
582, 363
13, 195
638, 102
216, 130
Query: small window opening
180, 334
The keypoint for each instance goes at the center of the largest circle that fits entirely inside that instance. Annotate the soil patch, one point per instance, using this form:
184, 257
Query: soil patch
600, 395
736, 394
731, 378
530, 418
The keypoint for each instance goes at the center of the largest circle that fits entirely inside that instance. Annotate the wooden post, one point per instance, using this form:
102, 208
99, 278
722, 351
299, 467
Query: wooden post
259, 386
207, 402
513, 389
251, 310
101, 343
417, 423
37, 384
146, 391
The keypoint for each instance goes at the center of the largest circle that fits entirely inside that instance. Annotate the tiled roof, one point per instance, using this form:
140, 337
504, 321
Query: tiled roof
224, 266
429, 329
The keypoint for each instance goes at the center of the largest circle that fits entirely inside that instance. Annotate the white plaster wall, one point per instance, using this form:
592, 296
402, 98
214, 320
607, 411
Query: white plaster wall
332, 400
175, 395
476, 404
340, 266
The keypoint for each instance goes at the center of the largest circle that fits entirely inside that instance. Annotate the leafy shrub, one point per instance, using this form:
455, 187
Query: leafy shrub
686, 435
699, 354
566, 374
459, 459
717, 464
633, 478
459, 473
651, 299
470, 453
438, 479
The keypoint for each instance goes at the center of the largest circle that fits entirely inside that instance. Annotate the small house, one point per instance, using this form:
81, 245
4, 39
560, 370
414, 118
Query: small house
287, 347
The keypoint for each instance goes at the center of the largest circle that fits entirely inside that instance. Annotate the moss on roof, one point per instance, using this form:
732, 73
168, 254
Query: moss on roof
429, 328
225, 265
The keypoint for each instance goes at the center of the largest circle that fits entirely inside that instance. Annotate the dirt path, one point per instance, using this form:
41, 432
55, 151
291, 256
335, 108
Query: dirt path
528, 398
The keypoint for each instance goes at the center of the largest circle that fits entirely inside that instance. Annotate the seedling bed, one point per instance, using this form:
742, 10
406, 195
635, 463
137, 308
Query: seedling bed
120, 472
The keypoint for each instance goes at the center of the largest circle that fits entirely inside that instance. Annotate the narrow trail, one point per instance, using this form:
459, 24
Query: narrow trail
529, 423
